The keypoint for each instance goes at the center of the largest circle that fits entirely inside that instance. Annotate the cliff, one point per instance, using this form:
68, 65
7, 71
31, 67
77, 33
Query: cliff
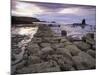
23, 20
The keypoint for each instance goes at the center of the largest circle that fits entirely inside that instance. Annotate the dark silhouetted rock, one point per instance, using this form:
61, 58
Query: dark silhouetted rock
63, 33
83, 21
23, 20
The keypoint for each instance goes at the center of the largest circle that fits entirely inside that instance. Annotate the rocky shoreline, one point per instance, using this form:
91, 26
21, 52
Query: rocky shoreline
48, 53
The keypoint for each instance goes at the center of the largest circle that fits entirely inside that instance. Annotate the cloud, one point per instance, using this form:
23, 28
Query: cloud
31, 8
77, 11
25, 9
69, 10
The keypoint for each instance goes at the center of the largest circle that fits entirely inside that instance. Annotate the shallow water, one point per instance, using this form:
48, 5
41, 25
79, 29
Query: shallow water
27, 31
77, 31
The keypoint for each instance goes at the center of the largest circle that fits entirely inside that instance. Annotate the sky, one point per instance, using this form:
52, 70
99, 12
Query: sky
60, 13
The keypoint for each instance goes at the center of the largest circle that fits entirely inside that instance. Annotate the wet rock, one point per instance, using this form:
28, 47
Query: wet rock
65, 67
63, 51
52, 69
17, 38
17, 66
40, 67
67, 43
36, 40
16, 51
63, 40
84, 61
89, 38
54, 40
72, 69
47, 50
73, 49
13, 58
33, 60
92, 53
78, 63
13, 70
46, 40
45, 45
82, 45
20, 64
72, 39
94, 47
57, 45
90, 41
14, 46
50, 40
44, 31
64, 62
33, 48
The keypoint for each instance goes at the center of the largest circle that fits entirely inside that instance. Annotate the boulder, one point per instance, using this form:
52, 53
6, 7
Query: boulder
67, 43
16, 51
72, 69
94, 47
45, 45
57, 45
50, 40
78, 63
16, 67
44, 31
13, 57
63, 51
20, 64
82, 45
65, 67
47, 50
89, 38
73, 49
63, 40
13, 70
64, 62
33, 60
92, 53
39, 68
46, 39
84, 61
90, 41
73, 38
36, 40
33, 48
54, 40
